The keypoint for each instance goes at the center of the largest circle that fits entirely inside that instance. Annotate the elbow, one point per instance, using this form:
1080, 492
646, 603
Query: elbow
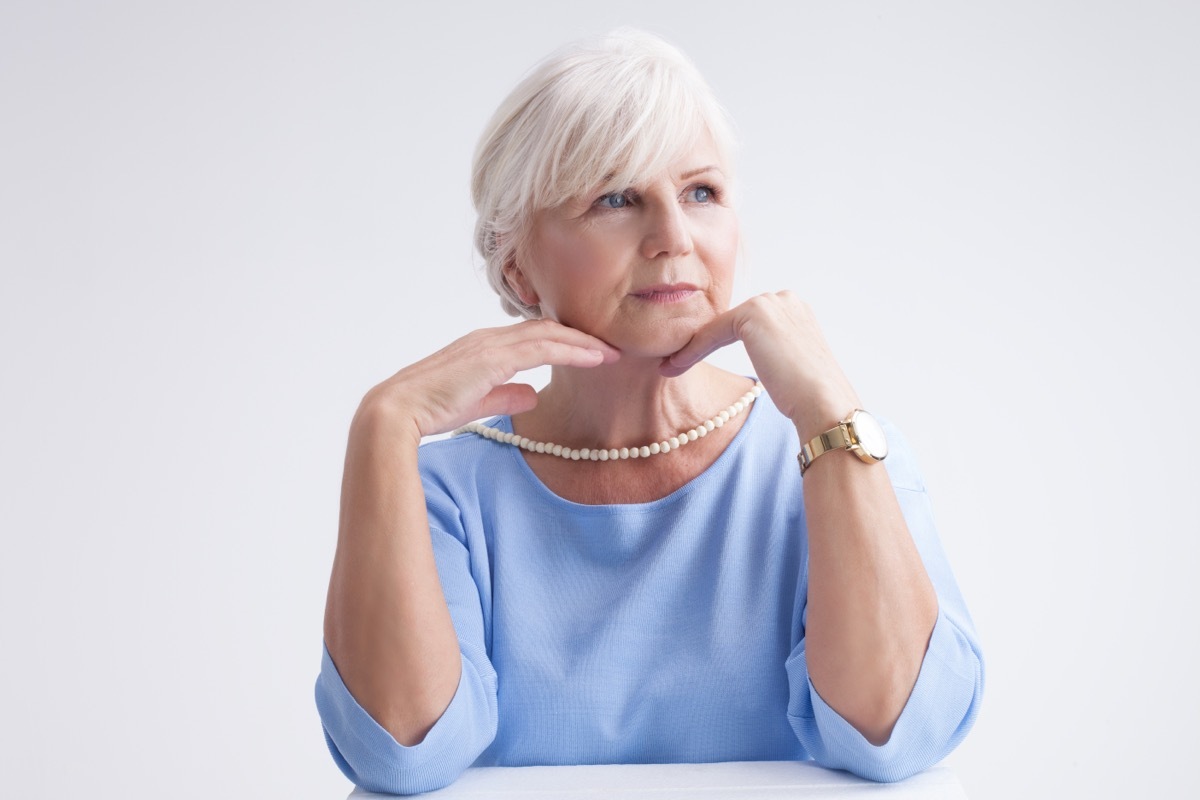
931, 720
870, 699
410, 725
375, 759
926, 732
889, 768
405, 784
397, 769
876, 710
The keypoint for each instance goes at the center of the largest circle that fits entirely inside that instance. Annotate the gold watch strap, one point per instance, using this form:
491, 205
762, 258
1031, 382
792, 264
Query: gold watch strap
832, 439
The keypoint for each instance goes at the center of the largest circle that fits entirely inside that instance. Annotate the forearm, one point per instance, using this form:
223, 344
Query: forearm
387, 626
871, 605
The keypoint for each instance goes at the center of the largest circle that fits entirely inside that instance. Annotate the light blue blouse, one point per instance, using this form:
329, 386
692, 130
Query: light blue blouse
670, 631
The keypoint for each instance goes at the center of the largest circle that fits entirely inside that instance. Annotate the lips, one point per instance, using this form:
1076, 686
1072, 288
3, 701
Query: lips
666, 292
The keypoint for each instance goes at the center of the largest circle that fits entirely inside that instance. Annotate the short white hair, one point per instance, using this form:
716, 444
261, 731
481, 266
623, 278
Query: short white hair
602, 114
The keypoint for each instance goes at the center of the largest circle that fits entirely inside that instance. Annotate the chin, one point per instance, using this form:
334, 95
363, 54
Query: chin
662, 341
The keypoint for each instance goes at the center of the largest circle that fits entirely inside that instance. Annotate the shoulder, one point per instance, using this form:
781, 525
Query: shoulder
465, 473
447, 451
462, 459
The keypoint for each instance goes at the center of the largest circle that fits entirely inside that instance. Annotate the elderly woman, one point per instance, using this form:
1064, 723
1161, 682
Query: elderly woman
652, 559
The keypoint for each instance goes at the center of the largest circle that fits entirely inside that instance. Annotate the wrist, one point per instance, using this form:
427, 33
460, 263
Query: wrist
819, 414
857, 432
383, 420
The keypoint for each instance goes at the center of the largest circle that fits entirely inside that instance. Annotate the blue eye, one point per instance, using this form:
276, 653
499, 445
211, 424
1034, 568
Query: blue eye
613, 200
701, 194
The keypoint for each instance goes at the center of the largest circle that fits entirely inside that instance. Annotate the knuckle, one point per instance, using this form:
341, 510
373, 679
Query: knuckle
758, 303
793, 299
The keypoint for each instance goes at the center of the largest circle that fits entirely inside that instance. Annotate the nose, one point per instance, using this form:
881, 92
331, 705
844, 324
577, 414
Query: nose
667, 231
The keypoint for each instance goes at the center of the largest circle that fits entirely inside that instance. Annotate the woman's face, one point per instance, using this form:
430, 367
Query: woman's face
641, 268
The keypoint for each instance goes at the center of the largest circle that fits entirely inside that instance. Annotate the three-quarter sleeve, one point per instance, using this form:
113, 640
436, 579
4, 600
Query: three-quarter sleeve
946, 697
938, 714
368, 755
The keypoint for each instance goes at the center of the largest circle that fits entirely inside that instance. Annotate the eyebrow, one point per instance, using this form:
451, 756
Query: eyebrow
691, 173
694, 172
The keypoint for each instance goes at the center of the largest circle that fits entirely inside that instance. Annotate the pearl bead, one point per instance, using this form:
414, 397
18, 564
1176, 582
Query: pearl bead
614, 454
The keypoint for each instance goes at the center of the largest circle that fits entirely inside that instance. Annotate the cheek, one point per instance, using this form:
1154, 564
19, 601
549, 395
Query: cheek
567, 255
723, 249
570, 269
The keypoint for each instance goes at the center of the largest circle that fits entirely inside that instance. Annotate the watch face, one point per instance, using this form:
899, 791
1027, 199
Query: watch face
870, 435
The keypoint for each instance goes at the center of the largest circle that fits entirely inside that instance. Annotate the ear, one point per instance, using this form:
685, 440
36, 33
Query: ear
520, 283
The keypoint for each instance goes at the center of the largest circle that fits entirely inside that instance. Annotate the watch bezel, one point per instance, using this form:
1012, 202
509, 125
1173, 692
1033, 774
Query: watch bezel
857, 444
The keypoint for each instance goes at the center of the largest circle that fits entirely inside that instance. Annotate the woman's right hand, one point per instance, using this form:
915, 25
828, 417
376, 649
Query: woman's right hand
467, 379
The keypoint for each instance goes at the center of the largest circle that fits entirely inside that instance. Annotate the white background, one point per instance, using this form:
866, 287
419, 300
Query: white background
221, 223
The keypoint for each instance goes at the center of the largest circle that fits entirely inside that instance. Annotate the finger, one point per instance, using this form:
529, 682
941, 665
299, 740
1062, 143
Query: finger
508, 398
545, 352
555, 331
718, 332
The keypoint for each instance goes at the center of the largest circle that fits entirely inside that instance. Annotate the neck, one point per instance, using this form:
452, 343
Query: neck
626, 403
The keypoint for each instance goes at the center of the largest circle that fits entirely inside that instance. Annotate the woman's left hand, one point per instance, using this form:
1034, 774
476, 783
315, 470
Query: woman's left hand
789, 354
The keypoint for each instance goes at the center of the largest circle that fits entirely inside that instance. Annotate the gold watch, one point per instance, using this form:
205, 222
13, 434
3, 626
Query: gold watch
859, 433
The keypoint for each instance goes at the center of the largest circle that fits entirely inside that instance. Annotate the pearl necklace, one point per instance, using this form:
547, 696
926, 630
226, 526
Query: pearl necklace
616, 454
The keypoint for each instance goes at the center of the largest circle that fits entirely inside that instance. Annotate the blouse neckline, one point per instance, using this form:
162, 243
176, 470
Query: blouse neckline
697, 483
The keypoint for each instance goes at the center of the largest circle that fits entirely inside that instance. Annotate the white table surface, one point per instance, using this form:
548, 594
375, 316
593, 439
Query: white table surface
741, 780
